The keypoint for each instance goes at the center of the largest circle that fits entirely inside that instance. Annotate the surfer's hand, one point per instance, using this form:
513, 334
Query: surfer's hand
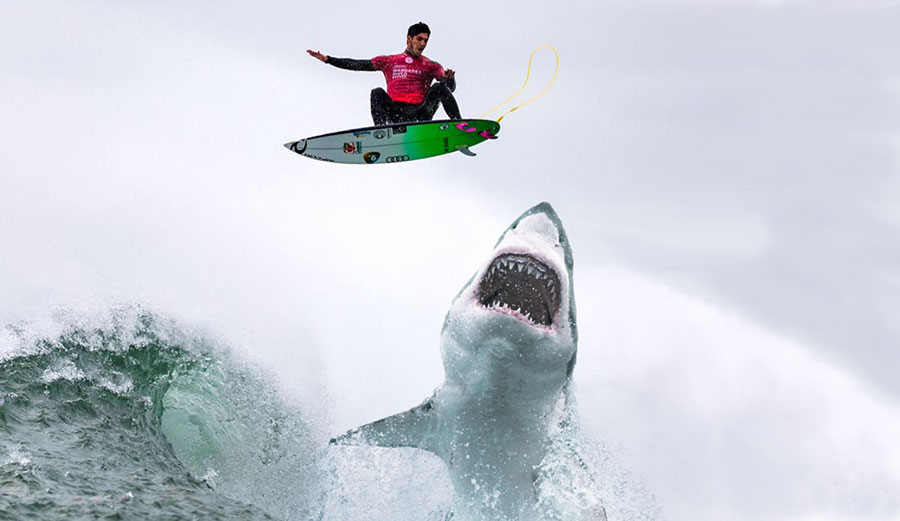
449, 73
317, 55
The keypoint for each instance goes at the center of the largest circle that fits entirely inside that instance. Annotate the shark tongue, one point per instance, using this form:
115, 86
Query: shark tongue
522, 283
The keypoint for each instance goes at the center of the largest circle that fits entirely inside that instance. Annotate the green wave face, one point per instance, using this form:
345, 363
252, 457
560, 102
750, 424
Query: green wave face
134, 419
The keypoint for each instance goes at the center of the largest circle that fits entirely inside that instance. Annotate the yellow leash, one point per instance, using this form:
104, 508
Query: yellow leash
527, 75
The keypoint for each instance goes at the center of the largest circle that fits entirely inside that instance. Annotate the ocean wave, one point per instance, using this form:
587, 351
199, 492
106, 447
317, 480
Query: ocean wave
96, 409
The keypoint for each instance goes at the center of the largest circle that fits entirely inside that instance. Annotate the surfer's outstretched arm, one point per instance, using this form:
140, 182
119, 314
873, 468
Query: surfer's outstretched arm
343, 63
351, 64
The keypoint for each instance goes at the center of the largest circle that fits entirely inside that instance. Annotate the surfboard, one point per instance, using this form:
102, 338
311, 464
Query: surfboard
397, 143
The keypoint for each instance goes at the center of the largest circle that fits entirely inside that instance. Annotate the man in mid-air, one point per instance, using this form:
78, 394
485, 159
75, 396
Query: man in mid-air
410, 95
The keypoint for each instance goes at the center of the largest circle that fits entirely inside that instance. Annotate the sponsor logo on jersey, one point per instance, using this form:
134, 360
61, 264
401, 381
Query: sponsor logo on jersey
401, 72
371, 157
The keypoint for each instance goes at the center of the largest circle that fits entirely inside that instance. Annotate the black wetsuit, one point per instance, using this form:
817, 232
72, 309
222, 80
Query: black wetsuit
386, 111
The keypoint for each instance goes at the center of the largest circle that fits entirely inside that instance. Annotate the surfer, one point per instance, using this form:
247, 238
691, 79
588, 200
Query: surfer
410, 94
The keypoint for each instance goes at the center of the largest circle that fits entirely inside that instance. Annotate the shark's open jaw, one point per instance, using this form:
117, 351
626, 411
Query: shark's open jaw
521, 283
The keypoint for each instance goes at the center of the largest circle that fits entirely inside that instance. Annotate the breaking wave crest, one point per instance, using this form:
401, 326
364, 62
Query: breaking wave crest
133, 416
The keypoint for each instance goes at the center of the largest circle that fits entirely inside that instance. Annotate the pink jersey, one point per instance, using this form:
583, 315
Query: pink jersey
407, 77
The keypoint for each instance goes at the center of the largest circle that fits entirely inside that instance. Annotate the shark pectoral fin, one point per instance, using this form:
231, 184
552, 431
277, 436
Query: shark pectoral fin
414, 428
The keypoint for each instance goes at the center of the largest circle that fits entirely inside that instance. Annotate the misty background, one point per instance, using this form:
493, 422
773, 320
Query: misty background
727, 172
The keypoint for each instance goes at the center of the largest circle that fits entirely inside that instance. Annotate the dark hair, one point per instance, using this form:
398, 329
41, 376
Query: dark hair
418, 28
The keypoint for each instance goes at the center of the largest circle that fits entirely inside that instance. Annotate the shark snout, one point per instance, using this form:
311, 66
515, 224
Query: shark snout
540, 225
540, 221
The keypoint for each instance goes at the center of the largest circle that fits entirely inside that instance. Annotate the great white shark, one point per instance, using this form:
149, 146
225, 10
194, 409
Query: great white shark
508, 346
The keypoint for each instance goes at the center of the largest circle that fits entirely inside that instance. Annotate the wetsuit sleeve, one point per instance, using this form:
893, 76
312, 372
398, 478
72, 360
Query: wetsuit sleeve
351, 64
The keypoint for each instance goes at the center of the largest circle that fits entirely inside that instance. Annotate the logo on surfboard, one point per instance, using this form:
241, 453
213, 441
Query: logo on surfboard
353, 147
299, 146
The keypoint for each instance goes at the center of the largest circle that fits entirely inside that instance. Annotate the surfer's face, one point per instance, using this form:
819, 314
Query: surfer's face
415, 45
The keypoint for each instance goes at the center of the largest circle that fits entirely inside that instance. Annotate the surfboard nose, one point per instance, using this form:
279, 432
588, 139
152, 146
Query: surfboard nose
296, 146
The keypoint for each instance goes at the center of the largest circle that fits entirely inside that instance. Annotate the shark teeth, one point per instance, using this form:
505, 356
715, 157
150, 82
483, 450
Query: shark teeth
523, 284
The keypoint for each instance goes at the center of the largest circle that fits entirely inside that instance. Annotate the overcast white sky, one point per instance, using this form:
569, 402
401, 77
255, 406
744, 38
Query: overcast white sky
728, 173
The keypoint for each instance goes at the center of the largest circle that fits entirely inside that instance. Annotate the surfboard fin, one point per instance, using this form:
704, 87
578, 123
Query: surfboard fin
416, 427
466, 151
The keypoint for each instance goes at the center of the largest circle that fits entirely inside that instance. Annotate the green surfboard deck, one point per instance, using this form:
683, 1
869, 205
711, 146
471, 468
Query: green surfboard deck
396, 143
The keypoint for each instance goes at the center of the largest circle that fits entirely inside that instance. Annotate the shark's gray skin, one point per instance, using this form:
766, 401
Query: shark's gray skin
508, 346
